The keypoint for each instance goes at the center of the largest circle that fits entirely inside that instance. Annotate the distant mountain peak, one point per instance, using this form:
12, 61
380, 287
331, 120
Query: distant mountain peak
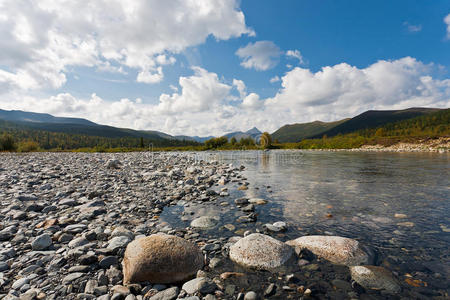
254, 130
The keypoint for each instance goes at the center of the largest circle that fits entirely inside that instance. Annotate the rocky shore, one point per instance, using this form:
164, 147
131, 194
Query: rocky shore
440, 145
88, 226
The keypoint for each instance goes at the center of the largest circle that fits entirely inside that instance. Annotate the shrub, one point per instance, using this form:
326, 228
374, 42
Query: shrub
7, 143
28, 146
215, 143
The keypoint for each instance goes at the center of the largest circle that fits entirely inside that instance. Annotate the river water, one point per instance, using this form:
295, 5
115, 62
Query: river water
396, 203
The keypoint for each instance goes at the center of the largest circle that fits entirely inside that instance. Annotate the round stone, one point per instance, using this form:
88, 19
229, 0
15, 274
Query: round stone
261, 252
204, 222
338, 250
161, 258
375, 277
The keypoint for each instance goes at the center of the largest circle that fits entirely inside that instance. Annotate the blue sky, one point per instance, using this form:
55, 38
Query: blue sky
224, 65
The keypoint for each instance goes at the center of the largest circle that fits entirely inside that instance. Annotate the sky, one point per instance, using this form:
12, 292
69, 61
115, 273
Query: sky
209, 67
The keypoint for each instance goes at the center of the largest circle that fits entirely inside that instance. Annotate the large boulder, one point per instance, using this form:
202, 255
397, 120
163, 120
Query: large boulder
376, 278
338, 250
261, 252
161, 258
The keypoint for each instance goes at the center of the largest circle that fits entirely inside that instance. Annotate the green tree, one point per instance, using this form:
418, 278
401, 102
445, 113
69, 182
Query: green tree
380, 132
141, 142
7, 143
233, 141
215, 143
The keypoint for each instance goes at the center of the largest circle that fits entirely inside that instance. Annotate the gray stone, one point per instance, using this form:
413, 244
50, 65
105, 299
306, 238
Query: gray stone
168, 294
376, 278
261, 252
250, 296
339, 250
108, 261
19, 283
118, 242
72, 277
3, 266
78, 242
201, 284
204, 222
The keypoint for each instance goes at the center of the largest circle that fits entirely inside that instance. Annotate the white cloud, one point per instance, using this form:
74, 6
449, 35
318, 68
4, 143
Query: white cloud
295, 54
275, 79
40, 39
261, 55
342, 90
200, 92
252, 102
240, 86
447, 21
148, 77
202, 105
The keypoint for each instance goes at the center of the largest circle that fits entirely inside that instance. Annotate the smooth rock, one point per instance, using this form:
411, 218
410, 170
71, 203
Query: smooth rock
168, 294
108, 261
261, 252
118, 242
375, 277
339, 250
250, 296
19, 283
78, 242
201, 284
204, 222
3, 266
161, 258
72, 276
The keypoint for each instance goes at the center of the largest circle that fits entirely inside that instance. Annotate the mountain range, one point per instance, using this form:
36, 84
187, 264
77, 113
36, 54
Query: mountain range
369, 119
22, 120
253, 133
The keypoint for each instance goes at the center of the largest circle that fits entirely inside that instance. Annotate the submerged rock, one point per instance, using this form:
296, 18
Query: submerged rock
261, 252
338, 250
204, 222
161, 258
375, 278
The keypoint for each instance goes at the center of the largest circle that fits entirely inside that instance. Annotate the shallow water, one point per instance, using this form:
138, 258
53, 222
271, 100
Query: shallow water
351, 194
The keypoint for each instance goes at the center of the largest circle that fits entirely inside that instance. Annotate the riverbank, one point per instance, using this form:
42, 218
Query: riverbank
67, 218
440, 145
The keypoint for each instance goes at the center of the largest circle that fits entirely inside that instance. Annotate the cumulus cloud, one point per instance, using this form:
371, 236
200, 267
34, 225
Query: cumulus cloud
202, 104
200, 92
447, 22
343, 90
40, 39
252, 102
295, 54
261, 55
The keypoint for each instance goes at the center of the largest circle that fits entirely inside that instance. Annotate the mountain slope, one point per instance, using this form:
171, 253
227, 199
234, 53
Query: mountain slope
375, 118
253, 133
70, 133
199, 139
24, 116
295, 132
